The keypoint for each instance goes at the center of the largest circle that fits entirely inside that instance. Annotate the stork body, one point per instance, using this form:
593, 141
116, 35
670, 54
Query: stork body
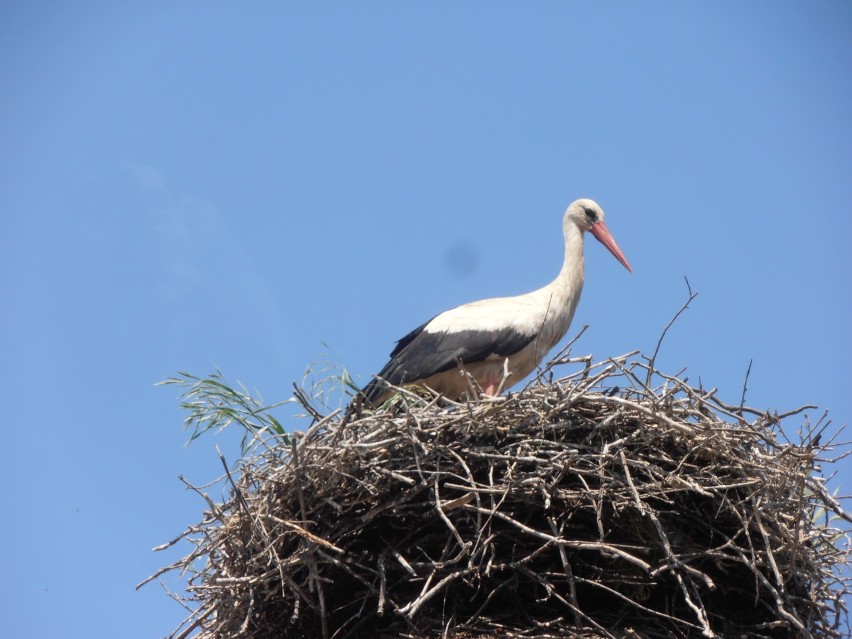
494, 337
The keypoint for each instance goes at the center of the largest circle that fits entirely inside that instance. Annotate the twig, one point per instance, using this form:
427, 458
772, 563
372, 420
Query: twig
652, 360
745, 386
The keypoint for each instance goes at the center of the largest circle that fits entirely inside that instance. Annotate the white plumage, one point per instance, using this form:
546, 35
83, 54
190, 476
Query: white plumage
491, 337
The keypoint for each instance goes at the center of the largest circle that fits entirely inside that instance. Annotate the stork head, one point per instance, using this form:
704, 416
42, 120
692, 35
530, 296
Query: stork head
587, 215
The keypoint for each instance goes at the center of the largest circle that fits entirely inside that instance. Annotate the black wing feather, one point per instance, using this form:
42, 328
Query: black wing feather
421, 354
405, 341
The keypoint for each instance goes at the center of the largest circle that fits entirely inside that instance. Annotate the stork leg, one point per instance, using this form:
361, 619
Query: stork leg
491, 383
495, 380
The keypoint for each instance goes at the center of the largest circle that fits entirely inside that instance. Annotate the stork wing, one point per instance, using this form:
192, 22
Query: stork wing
422, 353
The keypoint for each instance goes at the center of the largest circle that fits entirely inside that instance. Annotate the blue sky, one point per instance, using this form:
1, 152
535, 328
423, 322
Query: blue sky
260, 186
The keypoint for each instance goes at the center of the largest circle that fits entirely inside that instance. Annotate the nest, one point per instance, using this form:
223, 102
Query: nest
594, 505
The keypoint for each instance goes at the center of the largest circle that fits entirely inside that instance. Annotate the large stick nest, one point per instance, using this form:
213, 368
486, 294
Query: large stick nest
589, 506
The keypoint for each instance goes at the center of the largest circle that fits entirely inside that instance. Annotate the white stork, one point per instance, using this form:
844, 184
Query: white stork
489, 338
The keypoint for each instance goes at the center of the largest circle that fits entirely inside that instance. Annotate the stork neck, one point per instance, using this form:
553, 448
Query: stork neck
563, 293
572, 267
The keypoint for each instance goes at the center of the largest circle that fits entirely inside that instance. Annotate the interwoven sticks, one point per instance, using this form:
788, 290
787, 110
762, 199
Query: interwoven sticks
570, 509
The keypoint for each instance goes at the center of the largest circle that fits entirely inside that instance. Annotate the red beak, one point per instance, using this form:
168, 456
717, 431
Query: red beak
602, 234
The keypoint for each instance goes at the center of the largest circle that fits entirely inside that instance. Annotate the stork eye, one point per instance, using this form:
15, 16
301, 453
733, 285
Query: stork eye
590, 215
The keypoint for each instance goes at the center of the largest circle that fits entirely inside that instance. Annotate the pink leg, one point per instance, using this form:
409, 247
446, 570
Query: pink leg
491, 385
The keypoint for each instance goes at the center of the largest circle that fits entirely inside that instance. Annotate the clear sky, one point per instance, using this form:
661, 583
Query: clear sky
260, 186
